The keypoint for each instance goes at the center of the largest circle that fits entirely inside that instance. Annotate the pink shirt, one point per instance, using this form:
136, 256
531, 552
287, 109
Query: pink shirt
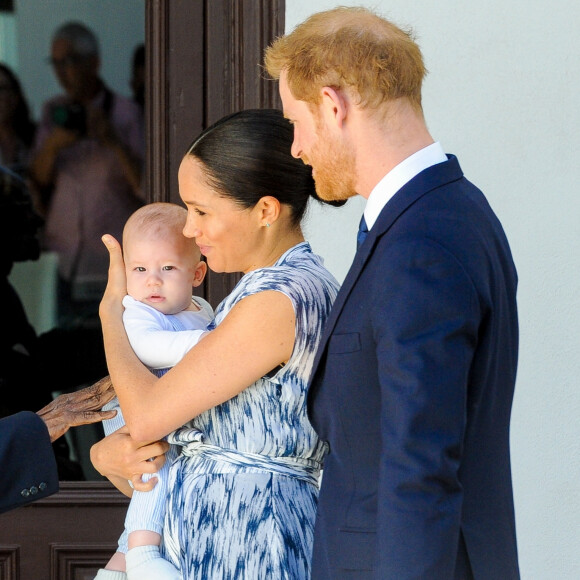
91, 195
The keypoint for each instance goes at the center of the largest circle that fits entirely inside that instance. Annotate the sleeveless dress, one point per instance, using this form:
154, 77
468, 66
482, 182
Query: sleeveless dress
244, 490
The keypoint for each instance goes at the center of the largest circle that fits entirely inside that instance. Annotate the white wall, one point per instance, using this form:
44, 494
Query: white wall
503, 95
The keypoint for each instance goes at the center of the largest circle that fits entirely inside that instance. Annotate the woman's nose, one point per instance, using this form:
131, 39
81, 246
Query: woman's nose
190, 229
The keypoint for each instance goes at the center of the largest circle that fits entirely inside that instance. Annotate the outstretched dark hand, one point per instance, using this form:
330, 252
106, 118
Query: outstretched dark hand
78, 408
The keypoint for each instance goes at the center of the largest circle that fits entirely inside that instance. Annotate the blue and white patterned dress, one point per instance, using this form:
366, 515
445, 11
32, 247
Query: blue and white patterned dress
244, 489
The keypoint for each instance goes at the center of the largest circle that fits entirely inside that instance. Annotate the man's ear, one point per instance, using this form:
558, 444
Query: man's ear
334, 105
199, 273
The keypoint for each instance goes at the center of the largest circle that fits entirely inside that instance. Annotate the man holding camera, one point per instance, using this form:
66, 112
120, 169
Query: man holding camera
87, 170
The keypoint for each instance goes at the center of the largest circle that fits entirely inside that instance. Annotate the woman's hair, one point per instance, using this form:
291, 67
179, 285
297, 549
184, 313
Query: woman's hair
19, 222
246, 156
22, 123
349, 48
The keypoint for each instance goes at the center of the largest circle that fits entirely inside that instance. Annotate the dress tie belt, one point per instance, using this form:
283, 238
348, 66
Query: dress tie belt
307, 470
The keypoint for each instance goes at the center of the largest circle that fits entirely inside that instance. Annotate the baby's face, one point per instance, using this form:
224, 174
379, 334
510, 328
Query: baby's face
160, 272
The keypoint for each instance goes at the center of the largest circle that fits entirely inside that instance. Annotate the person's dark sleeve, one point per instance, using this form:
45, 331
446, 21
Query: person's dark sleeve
426, 328
29, 470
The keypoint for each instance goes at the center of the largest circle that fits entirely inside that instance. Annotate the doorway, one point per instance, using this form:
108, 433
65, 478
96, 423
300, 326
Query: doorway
202, 62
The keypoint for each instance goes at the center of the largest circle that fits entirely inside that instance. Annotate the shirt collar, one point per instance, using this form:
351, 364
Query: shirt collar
401, 174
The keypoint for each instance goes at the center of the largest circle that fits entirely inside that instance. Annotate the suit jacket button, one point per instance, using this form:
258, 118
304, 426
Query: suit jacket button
24, 493
42, 486
34, 490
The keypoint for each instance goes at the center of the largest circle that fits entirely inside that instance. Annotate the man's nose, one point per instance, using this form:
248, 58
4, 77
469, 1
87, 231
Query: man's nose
296, 150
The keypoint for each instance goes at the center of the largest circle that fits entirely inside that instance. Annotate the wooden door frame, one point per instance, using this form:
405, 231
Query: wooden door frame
240, 31
202, 61
186, 94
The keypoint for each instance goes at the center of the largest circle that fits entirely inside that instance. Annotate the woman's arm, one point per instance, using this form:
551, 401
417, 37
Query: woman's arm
42, 165
120, 459
256, 336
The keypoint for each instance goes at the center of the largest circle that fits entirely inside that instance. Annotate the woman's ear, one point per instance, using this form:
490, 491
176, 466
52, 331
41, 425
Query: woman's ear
268, 210
199, 273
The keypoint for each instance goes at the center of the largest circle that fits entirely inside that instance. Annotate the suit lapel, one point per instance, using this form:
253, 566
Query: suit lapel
426, 181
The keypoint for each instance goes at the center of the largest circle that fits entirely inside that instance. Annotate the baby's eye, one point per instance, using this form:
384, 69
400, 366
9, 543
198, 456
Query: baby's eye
140, 269
167, 268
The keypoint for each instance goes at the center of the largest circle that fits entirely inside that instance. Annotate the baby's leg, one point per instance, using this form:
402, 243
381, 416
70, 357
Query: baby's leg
117, 562
146, 563
144, 560
144, 523
140, 538
116, 566
105, 574
118, 421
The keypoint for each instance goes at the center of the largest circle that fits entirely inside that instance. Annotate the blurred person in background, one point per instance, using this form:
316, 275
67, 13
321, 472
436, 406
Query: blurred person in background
32, 365
17, 129
138, 76
87, 168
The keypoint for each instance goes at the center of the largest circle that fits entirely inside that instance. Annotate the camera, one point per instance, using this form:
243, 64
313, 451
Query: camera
71, 116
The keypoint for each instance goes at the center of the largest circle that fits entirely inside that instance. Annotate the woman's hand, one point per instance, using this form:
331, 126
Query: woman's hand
116, 290
78, 408
121, 459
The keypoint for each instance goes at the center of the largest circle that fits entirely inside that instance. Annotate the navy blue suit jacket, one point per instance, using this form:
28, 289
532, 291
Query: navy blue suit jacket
28, 462
412, 387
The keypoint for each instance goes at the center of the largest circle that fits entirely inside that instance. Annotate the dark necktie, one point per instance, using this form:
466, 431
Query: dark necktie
362, 232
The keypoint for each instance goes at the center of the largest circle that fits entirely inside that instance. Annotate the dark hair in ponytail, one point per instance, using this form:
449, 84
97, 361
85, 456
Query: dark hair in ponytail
246, 156
21, 119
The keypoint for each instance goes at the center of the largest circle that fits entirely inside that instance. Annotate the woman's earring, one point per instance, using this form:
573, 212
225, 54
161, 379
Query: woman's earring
267, 225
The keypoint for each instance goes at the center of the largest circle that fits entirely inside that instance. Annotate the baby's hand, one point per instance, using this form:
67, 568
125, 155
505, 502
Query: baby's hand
138, 484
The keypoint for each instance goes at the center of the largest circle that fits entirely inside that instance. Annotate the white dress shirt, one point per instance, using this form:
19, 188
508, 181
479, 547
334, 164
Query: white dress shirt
400, 175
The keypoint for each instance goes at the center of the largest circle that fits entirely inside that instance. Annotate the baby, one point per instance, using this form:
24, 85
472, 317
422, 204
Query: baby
163, 321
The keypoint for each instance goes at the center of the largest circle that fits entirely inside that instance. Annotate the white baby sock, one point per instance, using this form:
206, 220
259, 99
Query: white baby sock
146, 563
110, 575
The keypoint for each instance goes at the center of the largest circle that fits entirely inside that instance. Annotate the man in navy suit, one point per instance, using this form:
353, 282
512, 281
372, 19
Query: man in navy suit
413, 383
29, 464
26, 453
27, 456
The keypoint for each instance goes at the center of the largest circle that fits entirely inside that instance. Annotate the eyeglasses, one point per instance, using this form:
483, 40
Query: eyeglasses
69, 60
